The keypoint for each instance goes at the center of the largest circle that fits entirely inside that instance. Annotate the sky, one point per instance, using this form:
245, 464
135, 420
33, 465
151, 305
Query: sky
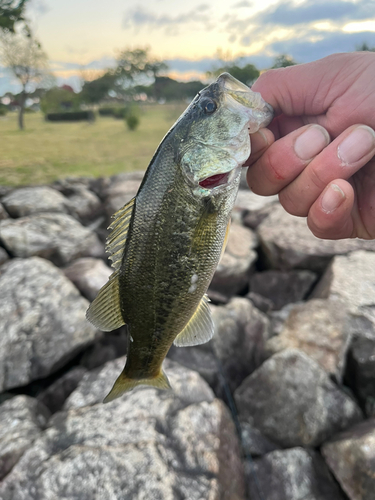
82, 37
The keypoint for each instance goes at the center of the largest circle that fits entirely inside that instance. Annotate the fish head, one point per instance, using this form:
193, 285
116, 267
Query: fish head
212, 136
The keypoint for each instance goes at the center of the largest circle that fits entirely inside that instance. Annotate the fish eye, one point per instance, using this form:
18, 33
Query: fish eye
208, 105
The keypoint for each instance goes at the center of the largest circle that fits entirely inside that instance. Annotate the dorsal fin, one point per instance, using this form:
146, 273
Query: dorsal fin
200, 328
117, 238
105, 311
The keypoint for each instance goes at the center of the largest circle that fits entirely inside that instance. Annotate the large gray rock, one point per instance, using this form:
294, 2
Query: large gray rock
32, 200
122, 189
21, 421
88, 275
84, 205
288, 243
235, 350
351, 279
293, 402
351, 457
361, 372
253, 208
282, 287
294, 474
57, 237
55, 395
148, 444
320, 328
42, 321
233, 271
3, 213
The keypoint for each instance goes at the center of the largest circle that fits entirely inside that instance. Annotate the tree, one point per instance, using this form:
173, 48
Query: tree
365, 47
135, 65
23, 55
11, 12
96, 90
283, 61
59, 99
245, 73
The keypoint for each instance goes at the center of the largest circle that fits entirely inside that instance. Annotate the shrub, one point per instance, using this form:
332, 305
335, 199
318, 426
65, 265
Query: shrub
120, 113
3, 110
132, 122
71, 116
106, 111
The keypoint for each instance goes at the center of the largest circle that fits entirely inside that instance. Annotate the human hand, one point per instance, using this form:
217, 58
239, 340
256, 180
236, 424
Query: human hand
318, 152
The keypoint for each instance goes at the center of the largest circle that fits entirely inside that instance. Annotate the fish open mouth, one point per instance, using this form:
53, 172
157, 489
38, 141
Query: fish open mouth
215, 181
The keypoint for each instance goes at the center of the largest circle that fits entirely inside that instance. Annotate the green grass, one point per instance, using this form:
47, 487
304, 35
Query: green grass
46, 151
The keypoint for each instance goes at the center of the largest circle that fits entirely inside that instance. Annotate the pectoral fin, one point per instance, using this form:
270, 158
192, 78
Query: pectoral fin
105, 312
124, 384
225, 239
200, 328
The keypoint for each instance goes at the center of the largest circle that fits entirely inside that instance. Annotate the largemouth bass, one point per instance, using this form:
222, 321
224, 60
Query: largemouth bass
166, 242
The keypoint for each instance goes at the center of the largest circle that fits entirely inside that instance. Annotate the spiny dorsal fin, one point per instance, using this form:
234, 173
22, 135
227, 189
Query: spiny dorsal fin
105, 312
200, 328
116, 239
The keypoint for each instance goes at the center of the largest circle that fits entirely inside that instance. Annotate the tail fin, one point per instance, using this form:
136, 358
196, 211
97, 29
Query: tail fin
124, 384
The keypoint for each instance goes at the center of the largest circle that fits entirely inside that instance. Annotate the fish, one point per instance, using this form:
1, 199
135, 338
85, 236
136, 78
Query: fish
165, 243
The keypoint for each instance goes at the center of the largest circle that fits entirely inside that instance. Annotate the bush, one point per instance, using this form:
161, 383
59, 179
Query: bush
71, 116
106, 111
120, 113
132, 122
3, 110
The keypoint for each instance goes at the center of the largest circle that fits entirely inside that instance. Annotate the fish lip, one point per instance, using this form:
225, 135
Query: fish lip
220, 187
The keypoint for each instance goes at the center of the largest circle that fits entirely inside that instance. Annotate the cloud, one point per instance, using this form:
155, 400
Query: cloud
306, 50
241, 4
140, 17
290, 14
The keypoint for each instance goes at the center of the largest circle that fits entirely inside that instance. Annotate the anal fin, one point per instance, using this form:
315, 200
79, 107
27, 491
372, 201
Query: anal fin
200, 328
124, 384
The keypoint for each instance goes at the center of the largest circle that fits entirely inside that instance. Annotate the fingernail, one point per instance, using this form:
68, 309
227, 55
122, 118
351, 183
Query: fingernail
332, 198
356, 145
311, 142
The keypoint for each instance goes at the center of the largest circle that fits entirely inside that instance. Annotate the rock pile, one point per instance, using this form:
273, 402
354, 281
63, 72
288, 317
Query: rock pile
280, 405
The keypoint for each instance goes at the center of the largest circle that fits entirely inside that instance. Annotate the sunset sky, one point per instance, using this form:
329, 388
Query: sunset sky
187, 34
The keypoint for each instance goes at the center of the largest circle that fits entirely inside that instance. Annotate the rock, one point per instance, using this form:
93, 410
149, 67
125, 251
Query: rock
84, 205
21, 421
3, 256
294, 474
254, 208
88, 275
56, 394
3, 213
360, 374
148, 444
241, 332
351, 279
262, 303
32, 200
232, 273
57, 237
254, 443
235, 350
108, 347
42, 321
282, 287
351, 458
120, 192
292, 401
288, 243
319, 328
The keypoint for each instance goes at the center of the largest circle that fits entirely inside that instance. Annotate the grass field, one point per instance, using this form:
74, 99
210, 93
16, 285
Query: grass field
46, 151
